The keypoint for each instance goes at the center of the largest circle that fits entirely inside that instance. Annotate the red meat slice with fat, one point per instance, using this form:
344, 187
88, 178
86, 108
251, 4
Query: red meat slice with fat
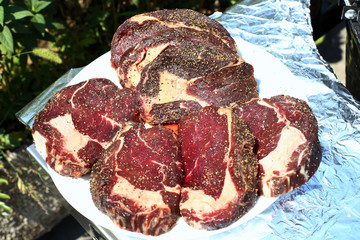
287, 143
220, 168
137, 182
80, 122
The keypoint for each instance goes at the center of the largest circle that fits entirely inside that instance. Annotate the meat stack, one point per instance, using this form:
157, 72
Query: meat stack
179, 61
177, 67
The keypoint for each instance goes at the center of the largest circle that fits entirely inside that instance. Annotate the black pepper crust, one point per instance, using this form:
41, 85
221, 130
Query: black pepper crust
131, 32
164, 49
266, 122
186, 62
169, 38
96, 109
208, 153
149, 161
246, 169
300, 115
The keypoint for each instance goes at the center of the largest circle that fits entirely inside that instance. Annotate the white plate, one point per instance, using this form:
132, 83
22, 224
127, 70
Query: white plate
273, 78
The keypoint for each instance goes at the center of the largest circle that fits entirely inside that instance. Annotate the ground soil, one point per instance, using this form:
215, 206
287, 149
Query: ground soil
28, 220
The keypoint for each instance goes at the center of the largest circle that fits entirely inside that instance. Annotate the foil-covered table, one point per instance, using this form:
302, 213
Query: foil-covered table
328, 206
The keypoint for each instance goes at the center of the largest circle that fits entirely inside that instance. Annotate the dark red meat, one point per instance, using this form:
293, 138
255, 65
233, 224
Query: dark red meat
220, 168
184, 79
138, 180
135, 59
134, 30
287, 144
79, 122
179, 61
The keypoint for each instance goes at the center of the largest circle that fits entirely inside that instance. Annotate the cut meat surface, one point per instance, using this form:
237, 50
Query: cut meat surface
220, 168
287, 144
134, 30
184, 79
80, 122
180, 61
135, 59
138, 180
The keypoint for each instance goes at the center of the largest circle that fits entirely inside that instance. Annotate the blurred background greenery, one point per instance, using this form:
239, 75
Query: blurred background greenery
41, 39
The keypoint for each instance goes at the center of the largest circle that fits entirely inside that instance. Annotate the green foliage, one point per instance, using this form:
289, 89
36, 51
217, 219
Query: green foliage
23, 186
5, 210
22, 27
18, 19
13, 139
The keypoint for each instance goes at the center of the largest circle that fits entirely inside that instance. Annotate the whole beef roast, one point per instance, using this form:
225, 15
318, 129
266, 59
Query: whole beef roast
137, 182
287, 144
179, 61
80, 122
220, 182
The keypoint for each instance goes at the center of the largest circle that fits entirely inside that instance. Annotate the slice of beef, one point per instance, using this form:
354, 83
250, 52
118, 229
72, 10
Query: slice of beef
142, 26
287, 144
186, 78
79, 122
220, 167
137, 182
135, 59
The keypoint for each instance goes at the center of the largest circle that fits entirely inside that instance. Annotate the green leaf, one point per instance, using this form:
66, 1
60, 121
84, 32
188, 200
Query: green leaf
30, 4
6, 39
22, 14
4, 196
5, 207
2, 15
15, 12
12, 140
38, 18
4, 214
4, 50
136, 2
51, 24
47, 54
3, 180
38, 21
40, 5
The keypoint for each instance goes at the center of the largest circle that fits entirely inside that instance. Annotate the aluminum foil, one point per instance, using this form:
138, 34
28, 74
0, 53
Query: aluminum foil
328, 206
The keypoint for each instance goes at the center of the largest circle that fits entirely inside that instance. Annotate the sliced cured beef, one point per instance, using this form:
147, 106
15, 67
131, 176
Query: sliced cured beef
145, 25
184, 79
137, 182
80, 122
220, 183
287, 144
